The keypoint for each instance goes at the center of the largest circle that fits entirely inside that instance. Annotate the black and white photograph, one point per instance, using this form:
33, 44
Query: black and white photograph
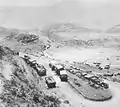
59, 53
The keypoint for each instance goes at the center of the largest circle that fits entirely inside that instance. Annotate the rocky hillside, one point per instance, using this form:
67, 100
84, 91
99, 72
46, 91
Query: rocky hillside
24, 41
22, 88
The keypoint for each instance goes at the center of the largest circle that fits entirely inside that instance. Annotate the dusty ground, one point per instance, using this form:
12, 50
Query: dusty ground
69, 93
70, 54
90, 55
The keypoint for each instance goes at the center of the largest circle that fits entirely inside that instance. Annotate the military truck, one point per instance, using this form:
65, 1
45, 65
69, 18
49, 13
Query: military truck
92, 84
40, 69
17, 53
99, 82
50, 65
84, 73
107, 66
50, 82
88, 76
33, 63
97, 64
58, 68
26, 58
63, 75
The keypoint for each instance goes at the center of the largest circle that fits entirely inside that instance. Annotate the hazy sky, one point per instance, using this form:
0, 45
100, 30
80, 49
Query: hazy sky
48, 2
33, 13
27, 2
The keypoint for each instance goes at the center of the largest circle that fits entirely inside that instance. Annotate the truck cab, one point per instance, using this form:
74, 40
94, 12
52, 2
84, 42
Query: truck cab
50, 82
58, 68
88, 76
40, 69
26, 58
63, 75
32, 63
107, 66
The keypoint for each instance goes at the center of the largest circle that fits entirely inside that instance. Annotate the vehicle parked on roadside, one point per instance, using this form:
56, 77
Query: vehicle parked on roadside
33, 63
105, 85
50, 65
63, 75
96, 80
100, 68
96, 86
108, 74
17, 53
57, 68
84, 73
60, 71
51, 83
117, 73
40, 69
88, 76
26, 58
97, 64
107, 67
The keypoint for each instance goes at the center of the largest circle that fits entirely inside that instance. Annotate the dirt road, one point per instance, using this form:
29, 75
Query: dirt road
76, 99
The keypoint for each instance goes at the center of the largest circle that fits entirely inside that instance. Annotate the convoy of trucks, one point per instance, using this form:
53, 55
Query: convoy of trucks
59, 69
102, 66
40, 69
96, 81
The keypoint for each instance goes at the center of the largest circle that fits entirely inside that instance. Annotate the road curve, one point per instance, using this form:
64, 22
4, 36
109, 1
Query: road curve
78, 100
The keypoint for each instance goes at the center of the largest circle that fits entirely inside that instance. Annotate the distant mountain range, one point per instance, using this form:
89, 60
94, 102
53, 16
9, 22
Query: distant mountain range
51, 36
114, 30
70, 27
61, 27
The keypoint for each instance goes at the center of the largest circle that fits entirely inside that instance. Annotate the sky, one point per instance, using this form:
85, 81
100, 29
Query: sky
33, 13
27, 2
47, 2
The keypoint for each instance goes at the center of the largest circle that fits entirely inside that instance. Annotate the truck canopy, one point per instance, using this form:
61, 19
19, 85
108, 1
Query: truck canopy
50, 79
88, 75
105, 63
59, 66
63, 72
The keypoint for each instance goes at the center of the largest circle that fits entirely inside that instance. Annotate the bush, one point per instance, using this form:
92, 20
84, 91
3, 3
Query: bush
26, 38
23, 90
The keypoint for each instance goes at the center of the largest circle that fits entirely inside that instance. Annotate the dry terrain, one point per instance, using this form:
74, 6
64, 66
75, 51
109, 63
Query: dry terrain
69, 45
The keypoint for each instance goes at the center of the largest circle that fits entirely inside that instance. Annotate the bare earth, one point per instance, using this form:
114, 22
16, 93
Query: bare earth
70, 54
90, 55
